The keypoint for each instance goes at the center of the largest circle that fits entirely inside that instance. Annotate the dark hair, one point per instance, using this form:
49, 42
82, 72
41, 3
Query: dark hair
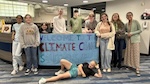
28, 15
40, 30
45, 24
130, 13
119, 22
107, 20
76, 11
19, 16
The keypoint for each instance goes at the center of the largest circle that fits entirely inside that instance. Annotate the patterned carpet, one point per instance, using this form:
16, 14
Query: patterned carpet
122, 76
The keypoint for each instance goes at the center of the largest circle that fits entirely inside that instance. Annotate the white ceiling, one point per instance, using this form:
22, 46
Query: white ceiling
70, 2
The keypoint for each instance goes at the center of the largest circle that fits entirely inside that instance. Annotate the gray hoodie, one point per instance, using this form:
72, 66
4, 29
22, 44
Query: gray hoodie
29, 35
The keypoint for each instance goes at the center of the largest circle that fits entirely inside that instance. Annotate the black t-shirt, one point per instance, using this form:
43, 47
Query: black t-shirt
87, 70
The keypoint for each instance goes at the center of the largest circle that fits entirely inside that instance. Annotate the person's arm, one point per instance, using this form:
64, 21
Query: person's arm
71, 24
37, 37
81, 70
64, 28
110, 34
86, 18
97, 29
86, 28
99, 74
122, 31
13, 33
55, 25
138, 29
21, 37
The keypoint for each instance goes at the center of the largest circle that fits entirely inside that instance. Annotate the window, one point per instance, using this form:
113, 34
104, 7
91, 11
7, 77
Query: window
12, 8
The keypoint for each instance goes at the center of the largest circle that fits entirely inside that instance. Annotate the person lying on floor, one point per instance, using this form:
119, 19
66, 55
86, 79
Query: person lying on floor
84, 70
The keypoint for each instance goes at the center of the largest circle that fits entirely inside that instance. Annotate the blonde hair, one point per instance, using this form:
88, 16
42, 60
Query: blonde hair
94, 62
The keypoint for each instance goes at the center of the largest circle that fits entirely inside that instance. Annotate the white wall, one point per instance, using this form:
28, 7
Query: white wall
137, 7
41, 16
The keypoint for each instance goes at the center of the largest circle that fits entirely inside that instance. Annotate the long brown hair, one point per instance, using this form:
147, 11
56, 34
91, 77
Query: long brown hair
119, 22
107, 20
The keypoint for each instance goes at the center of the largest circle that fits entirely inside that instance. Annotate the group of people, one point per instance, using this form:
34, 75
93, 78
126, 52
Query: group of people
25, 36
111, 38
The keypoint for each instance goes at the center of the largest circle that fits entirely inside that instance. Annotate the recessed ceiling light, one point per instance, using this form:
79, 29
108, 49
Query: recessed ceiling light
65, 4
85, 1
44, 1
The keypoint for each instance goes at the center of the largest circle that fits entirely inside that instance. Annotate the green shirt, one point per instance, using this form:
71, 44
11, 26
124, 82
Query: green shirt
76, 24
134, 31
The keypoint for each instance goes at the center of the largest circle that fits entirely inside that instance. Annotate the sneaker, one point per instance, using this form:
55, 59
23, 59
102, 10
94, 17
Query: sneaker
32, 69
27, 72
59, 72
109, 70
104, 70
138, 73
21, 68
35, 71
42, 81
14, 72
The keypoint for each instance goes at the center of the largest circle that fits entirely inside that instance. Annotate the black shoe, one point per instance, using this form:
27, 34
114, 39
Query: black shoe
115, 65
119, 66
28, 71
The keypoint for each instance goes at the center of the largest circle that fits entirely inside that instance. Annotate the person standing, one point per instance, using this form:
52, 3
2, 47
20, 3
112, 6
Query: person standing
132, 52
90, 24
30, 40
119, 39
106, 32
76, 23
16, 48
59, 23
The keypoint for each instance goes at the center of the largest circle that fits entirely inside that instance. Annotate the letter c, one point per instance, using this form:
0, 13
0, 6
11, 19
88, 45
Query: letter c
80, 46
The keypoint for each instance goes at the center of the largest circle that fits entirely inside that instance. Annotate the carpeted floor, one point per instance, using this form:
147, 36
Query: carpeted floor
122, 76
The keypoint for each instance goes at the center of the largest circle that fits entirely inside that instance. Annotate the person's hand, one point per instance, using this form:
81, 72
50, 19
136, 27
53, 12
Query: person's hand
129, 35
83, 75
99, 35
90, 31
12, 37
97, 66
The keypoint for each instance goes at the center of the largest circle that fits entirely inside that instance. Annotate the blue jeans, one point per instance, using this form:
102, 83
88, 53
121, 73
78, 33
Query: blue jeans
119, 46
31, 57
106, 55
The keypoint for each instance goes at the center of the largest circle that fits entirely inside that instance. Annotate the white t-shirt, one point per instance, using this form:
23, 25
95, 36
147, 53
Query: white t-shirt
59, 25
16, 28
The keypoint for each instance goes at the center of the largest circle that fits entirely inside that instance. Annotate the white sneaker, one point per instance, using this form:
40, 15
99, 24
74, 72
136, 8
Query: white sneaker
59, 72
35, 71
14, 72
32, 69
109, 70
104, 70
21, 68
42, 81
